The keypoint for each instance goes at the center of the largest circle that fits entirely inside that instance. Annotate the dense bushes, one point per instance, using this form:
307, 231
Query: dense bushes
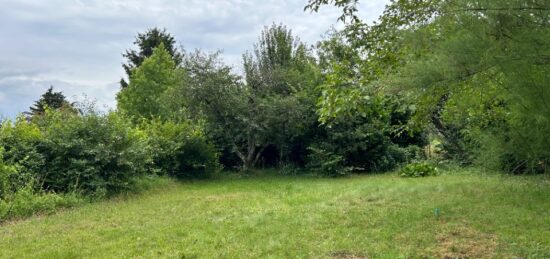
375, 140
20, 140
19, 163
52, 159
180, 149
101, 153
90, 152
10, 178
325, 162
19, 197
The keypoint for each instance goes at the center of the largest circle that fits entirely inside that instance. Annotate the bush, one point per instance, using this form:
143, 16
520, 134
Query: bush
418, 170
92, 153
374, 139
18, 197
325, 162
19, 157
180, 150
20, 139
10, 178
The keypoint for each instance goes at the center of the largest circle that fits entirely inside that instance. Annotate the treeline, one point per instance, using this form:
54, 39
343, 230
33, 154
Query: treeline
266, 117
189, 115
466, 80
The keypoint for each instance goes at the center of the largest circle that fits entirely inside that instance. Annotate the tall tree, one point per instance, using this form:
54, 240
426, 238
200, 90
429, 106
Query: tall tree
280, 63
367, 52
282, 75
477, 65
146, 42
51, 100
270, 109
494, 59
146, 94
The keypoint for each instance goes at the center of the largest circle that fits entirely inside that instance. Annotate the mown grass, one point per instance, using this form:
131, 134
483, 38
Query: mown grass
378, 216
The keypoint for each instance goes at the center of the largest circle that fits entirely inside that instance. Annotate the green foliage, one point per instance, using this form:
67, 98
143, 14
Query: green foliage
146, 43
51, 100
149, 87
90, 152
325, 162
10, 179
490, 66
481, 60
358, 59
19, 140
281, 75
273, 109
418, 170
20, 198
27, 201
280, 63
180, 150
213, 94
377, 139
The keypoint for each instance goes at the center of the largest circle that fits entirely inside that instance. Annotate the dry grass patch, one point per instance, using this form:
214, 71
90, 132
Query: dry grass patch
348, 255
462, 241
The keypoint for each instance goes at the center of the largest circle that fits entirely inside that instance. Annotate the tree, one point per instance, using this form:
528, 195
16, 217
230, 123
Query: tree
146, 43
495, 60
272, 108
146, 94
367, 52
282, 75
51, 100
280, 63
213, 94
476, 69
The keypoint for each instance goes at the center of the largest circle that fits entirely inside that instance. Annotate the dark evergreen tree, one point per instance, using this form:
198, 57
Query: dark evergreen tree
50, 99
146, 43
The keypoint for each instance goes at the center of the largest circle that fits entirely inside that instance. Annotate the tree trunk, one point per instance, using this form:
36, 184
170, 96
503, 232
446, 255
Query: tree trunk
253, 154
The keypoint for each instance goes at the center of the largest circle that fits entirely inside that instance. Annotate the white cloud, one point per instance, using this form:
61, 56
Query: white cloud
77, 46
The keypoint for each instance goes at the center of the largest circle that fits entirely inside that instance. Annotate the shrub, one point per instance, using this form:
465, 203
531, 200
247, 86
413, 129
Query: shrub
10, 179
418, 170
325, 162
376, 138
92, 153
18, 197
18, 157
180, 149
20, 139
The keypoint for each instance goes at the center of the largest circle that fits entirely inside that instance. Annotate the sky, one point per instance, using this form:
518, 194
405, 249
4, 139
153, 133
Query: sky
76, 46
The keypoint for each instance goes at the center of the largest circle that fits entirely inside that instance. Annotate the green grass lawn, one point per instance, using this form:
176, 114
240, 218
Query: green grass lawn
377, 216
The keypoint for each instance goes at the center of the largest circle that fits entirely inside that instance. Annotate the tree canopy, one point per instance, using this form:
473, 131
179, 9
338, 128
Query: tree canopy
51, 100
146, 42
146, 94
474, 67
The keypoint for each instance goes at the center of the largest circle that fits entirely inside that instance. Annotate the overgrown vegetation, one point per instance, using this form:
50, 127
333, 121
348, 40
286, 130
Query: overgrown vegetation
418, 170
459, 81
475, 69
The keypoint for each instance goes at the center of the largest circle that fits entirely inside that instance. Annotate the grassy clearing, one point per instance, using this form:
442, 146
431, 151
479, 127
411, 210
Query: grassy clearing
362, 216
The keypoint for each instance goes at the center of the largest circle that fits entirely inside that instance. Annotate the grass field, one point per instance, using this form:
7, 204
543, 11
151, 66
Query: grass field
377, 216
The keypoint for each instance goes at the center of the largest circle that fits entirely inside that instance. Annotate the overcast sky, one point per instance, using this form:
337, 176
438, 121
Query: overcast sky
77, 45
